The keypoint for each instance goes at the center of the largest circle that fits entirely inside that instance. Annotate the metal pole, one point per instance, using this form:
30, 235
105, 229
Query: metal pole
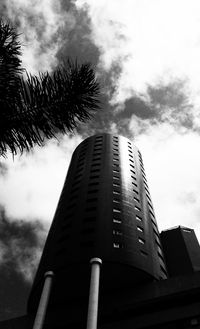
44, 299
94, 293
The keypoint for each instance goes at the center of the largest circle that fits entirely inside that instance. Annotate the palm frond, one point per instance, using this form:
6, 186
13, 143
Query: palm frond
39, 107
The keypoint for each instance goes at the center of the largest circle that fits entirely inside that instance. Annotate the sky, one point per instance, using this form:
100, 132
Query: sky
146, 56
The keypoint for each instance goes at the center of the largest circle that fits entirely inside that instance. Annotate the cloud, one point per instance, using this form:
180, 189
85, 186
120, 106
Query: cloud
3, 169
171, 162
76, 40
148, 48
40, 24
34, 181
21, 245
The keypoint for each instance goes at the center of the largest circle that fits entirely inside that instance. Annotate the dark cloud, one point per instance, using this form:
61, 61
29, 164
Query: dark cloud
20, 244
76, 40
3, 169
162, 103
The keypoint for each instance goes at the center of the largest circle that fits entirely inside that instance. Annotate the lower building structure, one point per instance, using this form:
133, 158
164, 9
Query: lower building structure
147, 279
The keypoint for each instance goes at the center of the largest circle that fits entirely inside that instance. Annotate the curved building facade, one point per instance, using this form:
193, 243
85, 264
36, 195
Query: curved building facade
105, 210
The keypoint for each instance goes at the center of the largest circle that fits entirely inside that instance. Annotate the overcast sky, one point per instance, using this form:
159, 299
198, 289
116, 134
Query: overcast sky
146, 54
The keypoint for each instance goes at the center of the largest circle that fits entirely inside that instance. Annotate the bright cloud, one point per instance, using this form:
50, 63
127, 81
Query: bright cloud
172, 165
33, 182
152, 40
40, 24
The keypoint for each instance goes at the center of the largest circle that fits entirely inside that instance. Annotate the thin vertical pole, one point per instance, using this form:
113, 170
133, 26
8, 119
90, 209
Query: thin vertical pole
94, 293
44, 299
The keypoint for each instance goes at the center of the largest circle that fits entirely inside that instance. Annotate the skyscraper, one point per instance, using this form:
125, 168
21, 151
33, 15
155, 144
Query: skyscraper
105, 210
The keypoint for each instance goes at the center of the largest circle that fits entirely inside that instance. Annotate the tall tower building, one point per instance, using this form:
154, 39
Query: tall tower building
105, 210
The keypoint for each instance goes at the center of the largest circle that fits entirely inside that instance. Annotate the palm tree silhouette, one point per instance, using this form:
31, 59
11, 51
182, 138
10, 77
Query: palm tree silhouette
38, 107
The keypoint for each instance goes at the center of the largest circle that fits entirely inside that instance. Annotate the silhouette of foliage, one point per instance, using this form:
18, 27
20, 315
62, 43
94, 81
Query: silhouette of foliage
33, 108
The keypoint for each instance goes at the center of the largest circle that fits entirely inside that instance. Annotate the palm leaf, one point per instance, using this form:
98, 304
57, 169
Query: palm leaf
39, 107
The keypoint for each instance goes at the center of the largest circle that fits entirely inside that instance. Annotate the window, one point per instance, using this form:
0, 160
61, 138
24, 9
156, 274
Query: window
161, 256
140, 229
117, 232
95, 170
115, 210
159, 245
150, 205
154, 223
96, 153
116, 184
96, 158
116, 192
117, 245
144, 178
132, 171
135, 191
156, 233
73, 197
163, 269
89, 219
67, 225
144, 253
93, 176
92, 191
81, 157
116, 202
93, 184
90, 208
134, 184
95, 165
133, 177
70, 206
74, 189
79, 169
80, 163
142, 241
130, 156
148, 197
116, 170
132, 166
138, 218
137, 208
78, 176
136, 199
91, 200
131, 160
88, 230
151, 213
117, 220
88, 244
97, 149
